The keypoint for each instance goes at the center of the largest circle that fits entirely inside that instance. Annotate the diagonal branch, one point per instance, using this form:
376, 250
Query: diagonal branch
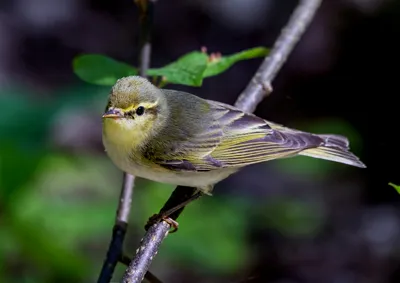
153, 238
258, 88
115, 253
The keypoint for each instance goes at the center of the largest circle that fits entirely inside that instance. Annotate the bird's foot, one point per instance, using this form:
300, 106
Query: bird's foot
161, 217
165, 215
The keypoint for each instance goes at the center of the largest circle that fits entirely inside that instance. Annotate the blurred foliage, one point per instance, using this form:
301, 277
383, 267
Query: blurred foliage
292, 218
213, 230
40, 229
190, 69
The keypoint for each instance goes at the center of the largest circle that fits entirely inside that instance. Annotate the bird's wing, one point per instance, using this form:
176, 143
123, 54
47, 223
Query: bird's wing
193, 153
187, 146
249, 139
236, 139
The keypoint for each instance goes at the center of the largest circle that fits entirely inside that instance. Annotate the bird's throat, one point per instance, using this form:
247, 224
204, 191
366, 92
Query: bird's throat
122, 134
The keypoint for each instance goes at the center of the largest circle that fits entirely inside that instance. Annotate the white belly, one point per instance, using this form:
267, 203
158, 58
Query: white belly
190, 179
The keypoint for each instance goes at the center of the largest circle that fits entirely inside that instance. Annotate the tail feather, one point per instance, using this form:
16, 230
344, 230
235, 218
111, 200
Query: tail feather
334, 148
335, 140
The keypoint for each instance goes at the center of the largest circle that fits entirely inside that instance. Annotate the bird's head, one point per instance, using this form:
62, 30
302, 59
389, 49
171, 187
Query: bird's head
135, 104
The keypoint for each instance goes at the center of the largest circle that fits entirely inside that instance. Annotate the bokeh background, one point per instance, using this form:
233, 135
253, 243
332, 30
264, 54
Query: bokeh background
298, 220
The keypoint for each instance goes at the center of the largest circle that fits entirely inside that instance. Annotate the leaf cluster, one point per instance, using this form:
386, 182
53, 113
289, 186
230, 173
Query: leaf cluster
190, 69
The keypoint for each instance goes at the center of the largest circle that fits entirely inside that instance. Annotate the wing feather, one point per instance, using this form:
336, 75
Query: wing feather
237, 139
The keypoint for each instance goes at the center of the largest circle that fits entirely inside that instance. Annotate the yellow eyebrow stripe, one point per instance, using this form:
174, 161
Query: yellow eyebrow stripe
146, 105
133, 106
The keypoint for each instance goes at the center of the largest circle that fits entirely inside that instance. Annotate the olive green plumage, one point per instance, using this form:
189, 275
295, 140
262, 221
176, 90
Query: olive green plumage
185, 140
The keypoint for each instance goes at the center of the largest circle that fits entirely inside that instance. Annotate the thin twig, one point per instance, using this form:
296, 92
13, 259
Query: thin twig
119, 230
115, 253
146, 8
258, 88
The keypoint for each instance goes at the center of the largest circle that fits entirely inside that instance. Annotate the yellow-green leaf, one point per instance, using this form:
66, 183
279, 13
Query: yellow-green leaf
187, 70
396, 187
101, 70
217, 65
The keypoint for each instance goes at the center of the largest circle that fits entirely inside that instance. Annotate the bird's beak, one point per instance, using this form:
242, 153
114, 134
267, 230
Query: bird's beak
113, 113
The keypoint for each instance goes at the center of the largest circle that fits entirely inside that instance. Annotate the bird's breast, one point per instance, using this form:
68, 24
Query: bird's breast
122, 143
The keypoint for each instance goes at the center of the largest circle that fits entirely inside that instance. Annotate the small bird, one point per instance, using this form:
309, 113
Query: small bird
178, 138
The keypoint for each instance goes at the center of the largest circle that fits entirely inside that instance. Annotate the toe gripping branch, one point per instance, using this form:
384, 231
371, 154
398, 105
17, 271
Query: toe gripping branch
174, 206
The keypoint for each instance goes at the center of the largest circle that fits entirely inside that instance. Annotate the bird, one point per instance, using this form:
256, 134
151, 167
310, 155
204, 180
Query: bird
178, 138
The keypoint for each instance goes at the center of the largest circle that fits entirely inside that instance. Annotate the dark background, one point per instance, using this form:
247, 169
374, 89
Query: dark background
295, 220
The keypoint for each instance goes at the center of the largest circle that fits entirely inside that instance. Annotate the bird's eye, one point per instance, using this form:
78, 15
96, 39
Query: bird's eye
140, 110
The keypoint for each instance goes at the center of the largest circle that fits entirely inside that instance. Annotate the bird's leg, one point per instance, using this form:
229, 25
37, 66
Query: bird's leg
182, 204
164, 215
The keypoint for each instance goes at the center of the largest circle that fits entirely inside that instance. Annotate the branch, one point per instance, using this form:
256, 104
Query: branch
258, 88
115, 253
149, 277
119, 230
146, 8
154, 236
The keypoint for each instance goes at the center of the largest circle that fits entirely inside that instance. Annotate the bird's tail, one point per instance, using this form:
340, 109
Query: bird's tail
334, 148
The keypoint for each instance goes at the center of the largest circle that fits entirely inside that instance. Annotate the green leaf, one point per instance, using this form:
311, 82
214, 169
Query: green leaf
101, 70
219, 65
187, 70
396, 187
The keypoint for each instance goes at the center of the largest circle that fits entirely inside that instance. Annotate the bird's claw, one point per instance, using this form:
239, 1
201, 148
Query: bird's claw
160, 217
174, 224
